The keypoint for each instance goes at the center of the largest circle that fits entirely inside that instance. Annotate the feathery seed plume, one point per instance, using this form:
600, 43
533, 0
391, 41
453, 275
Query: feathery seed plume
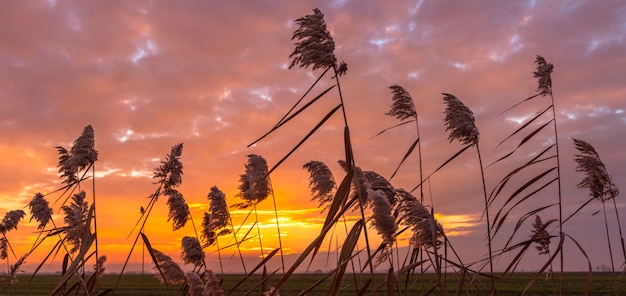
544, 72
170, 172
178, 210
402, 107
196, 286
459, 121
377, 182
314, 46
414, 214
99, 266
40, 210
75, 216
383, 220
597, 178
220, 217
255, 185
359, 182
213, 284
10, 220
15, 268
192, 251
209, 237
80, 156
321, 182
541, 235
171, 271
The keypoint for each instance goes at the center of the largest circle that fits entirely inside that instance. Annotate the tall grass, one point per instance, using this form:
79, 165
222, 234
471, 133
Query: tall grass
390, 210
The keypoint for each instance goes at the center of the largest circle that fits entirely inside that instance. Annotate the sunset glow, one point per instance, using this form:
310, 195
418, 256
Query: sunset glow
214, 76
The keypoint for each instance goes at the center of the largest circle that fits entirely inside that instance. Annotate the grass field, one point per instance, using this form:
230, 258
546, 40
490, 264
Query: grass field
574, 284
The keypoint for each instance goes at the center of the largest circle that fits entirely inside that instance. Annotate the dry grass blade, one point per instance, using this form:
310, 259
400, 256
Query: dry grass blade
146, 241
526, 197
345, 256
262, 283
305, 138
527, 99
328, 274
262, 263
315, 244
86, 243
521, 189
522, 219
287, 119
391, 279
406, 155
535, 160
347, 143
525, 125
547, 264
526, 139
363, 289
444, 164
390, 128
589, 267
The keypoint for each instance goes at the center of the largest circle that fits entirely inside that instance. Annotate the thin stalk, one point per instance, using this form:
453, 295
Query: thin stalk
608, 241
237, 244
619, 227
482, 173
258, 231
219, 255
558, 172
280, 242
353, 164
95, 225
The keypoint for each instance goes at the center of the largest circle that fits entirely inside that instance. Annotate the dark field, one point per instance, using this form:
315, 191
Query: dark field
574, 284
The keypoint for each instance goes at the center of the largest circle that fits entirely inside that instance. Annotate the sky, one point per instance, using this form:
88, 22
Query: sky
214, 75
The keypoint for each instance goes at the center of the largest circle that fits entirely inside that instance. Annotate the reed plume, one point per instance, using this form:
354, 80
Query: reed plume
459, 121
402, 106
220, 217
213, 284
178, 210
99, 266
541, 236
382, 219
414, 214
596, 179
171, 271
195, 284
314, 46
75, 216
10, 220
321, 182
80, 156
192, 251
40, 210
170, 172
543, 75
255, 185
377, 182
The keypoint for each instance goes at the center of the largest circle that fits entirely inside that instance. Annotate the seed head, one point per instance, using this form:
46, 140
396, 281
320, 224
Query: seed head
40, 210
543, 73
402, 107
75, 218
321, 182
314, 46
255, 185
170, 172
192, 251
171, 271
10, 220
459, 121
597, 178
383, 220
80, 156
178, 210
541, 235
426, 230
